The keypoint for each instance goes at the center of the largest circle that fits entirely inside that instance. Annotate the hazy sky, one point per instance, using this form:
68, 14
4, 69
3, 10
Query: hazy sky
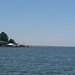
39, 22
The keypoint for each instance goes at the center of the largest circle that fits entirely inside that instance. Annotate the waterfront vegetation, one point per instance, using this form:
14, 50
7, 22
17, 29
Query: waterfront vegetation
4, 37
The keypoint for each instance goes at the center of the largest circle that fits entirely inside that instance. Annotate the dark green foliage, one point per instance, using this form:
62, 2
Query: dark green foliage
11, 41
3, 37
0, 38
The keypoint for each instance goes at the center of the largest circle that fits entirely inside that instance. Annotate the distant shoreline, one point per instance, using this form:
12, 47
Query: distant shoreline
29, 46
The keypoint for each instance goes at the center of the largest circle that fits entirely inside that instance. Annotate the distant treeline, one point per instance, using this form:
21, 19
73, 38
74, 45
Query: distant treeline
4, 37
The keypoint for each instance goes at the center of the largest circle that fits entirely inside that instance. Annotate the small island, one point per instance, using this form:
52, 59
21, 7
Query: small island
6, 42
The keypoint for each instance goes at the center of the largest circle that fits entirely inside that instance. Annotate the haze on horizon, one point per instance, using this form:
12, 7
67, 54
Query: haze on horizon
39, 22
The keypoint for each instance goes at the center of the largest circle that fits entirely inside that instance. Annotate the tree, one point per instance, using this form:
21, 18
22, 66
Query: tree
11, 41
0, 37
3, 37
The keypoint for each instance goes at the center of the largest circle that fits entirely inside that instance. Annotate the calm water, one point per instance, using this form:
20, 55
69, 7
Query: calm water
37, 61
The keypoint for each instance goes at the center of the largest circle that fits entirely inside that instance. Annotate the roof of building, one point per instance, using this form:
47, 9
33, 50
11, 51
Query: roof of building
11, 44
3, 42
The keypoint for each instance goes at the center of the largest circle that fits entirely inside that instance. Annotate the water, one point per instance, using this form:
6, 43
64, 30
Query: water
37, 61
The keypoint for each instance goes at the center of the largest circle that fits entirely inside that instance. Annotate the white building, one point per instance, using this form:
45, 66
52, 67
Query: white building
10, 45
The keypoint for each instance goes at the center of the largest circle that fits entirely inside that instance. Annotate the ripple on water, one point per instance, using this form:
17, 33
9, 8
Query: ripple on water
53, 73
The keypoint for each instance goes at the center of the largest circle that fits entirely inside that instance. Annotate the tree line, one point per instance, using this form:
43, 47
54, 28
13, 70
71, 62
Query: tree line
4, 37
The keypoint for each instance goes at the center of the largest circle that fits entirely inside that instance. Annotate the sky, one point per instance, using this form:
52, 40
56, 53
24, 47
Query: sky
39, 22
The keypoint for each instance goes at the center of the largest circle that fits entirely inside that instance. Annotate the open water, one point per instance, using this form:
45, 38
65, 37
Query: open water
37, 61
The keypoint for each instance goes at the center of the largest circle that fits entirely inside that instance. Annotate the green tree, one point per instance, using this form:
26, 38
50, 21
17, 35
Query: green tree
3, 37
11, 41
0, 37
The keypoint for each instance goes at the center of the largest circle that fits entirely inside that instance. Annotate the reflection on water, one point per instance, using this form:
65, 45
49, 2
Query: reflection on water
37, 61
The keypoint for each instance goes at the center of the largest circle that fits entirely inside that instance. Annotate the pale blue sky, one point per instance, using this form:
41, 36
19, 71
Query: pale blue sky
39, 22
